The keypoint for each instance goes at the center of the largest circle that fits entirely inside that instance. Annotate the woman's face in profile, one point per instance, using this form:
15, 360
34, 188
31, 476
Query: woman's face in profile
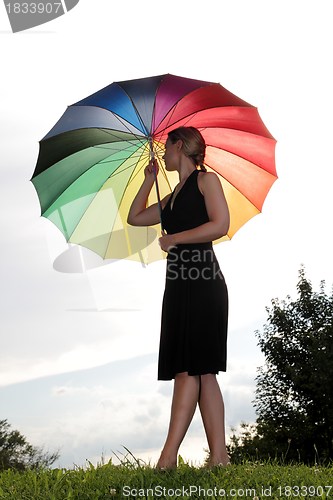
171, 155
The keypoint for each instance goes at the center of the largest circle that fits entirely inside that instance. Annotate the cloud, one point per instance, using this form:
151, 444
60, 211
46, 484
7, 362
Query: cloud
90, 411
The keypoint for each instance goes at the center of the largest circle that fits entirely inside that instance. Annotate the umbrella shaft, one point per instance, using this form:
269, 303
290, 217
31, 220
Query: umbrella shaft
152, 157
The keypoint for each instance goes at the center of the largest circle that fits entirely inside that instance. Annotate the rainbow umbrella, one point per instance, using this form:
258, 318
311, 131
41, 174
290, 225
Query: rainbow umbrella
91, 163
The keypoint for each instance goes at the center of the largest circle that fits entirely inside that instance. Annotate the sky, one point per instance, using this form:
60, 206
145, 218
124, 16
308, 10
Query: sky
79, 339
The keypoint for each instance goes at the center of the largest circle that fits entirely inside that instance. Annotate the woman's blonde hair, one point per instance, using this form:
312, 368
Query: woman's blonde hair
194, 145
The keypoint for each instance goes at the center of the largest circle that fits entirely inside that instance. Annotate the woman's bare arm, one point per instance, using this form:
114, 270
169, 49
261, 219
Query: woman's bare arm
139, 214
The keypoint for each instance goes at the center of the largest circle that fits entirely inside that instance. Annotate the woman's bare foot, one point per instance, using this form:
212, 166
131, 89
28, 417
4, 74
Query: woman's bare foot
166, 463
219, 461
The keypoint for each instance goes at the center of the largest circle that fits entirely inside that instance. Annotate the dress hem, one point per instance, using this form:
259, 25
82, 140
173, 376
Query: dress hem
191, 373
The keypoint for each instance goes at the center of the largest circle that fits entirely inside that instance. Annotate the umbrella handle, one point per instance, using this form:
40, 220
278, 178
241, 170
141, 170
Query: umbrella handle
152, 158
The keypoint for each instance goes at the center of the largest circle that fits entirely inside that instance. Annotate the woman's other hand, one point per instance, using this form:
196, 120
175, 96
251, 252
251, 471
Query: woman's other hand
167, 241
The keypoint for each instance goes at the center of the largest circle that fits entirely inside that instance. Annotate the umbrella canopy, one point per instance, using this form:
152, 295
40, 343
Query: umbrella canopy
90, 165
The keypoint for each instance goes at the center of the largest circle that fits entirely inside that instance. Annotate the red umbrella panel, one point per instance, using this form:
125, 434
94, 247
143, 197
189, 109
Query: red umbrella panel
91, 163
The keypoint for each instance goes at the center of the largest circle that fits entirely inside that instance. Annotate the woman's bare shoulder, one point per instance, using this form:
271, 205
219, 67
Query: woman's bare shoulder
207, 180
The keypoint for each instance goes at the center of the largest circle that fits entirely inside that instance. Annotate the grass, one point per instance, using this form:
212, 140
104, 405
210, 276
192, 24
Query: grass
132, 479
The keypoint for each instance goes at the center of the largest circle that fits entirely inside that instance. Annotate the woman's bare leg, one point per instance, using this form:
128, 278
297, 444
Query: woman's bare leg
184, 402
212, 411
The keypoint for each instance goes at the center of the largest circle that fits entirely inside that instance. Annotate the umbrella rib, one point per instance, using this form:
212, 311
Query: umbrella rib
135, 109
102, 146
106, 160
138, 138
154, 105
162, 169
271, 138
120, 201
174, 106
124, 123
160, 134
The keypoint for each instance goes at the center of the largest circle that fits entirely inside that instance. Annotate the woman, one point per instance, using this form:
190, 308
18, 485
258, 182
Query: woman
195, 302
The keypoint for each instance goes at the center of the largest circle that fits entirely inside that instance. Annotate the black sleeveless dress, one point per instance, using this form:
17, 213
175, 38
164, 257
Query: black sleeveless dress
195, 302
